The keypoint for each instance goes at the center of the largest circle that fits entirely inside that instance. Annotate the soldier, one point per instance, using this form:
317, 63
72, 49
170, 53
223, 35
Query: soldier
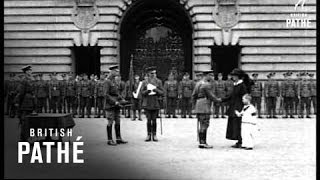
288, 94
55, 93
99, 94
113, 105
11, 91
136, 97
151, 90
71, 95
41, 93
220, 91
171, 95
25, 101
297, 100
121, 86
202, 97
304, 94
185, 93
85, 96
313, 92
92, 80
272, 92
63, 91
78, 81
256, 93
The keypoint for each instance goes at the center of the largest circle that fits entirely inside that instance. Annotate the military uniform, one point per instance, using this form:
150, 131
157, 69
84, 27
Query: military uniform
289, 93
11, 90
78, 92
220, 90
202, 97
42, 93
99, 94
272, 92
63, 84
85, 97
71, 96
256, 93
304, 92
55, 94
171, 97
92, 102
185, 91
296, 99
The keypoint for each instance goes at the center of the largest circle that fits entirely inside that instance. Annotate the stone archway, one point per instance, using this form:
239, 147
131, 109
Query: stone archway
159, 33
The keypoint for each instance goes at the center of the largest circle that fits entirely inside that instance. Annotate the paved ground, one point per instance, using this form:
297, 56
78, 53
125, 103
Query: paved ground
286, 149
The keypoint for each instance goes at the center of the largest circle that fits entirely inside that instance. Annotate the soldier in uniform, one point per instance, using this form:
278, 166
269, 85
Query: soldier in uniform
11, 92
272, 92
92, 80
78, 80
42, 93
71, 95
122, 92
202, 97
289, 92
25, 101
85, 96
55, 93
185, 93
136, 99
151, 90
313, 92
63, 91
304, 94
256, 93
296, 101
171, 95
220, 90
113, 105
99, 94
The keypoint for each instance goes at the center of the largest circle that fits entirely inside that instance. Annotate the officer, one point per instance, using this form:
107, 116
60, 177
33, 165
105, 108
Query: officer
99, 95
202, 97
136, 97
185, 93
171, 95
289, 93
220, 91
42, 93
313, 92
256, 93
304, 94
25, 101
272, 92
11, 91
114, 101
151, 91
55, 93
85, 96
71, 95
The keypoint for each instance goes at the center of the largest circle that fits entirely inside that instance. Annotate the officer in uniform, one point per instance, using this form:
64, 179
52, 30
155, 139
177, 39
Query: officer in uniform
185, 93
136, 100
151, 91
71, 95
99, 95
272, 92
202, 97
171, 95
113, 105
304, 94
55, 93
25, 101
220, 92
11, 92
85, 96
313, 92
42, 93
289, 92
256, 93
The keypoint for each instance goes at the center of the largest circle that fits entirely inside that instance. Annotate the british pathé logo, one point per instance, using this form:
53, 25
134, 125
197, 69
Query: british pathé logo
299, 19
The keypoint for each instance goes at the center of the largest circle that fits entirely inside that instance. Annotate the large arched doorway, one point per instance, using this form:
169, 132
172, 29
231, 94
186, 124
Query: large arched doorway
158, 33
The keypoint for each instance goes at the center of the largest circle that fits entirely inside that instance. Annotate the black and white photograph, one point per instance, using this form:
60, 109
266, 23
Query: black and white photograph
160, 89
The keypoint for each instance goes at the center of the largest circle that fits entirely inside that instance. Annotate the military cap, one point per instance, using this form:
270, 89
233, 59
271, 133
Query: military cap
255, 74
205, 72
199, 74
112, 68
137, 75
63, 75
220, 74
311, 75
151, 68
54, 73
26, 68
237, 71
289, 73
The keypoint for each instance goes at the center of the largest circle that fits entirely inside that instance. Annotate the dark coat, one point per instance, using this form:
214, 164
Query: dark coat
235, 103
151, 102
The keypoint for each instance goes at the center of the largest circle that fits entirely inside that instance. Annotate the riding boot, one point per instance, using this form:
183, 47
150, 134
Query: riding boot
109, 133
139, 114
205, 140
154, 131
148, 131
119, 140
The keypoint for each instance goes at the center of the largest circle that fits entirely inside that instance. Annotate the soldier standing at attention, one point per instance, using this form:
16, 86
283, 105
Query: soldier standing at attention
41, 92
272, 92
304, 94
92, 80
289, 93
256, 93
151, 90
25, 101
171, 95
71, 95
55, 92
297, 100
113, 106
99, 95
202, 97
313, 92
85, 96
220, 92
185, 92
63, 91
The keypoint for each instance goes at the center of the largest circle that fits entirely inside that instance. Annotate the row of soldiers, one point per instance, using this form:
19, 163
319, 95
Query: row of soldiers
79, 95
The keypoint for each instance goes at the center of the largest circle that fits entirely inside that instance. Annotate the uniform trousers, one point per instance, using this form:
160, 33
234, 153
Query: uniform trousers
41, 104
289, 105
152, 120
314, 103
305, 104
256, 101
185, 106
271, 105
71, 104
55, 103
171, 105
